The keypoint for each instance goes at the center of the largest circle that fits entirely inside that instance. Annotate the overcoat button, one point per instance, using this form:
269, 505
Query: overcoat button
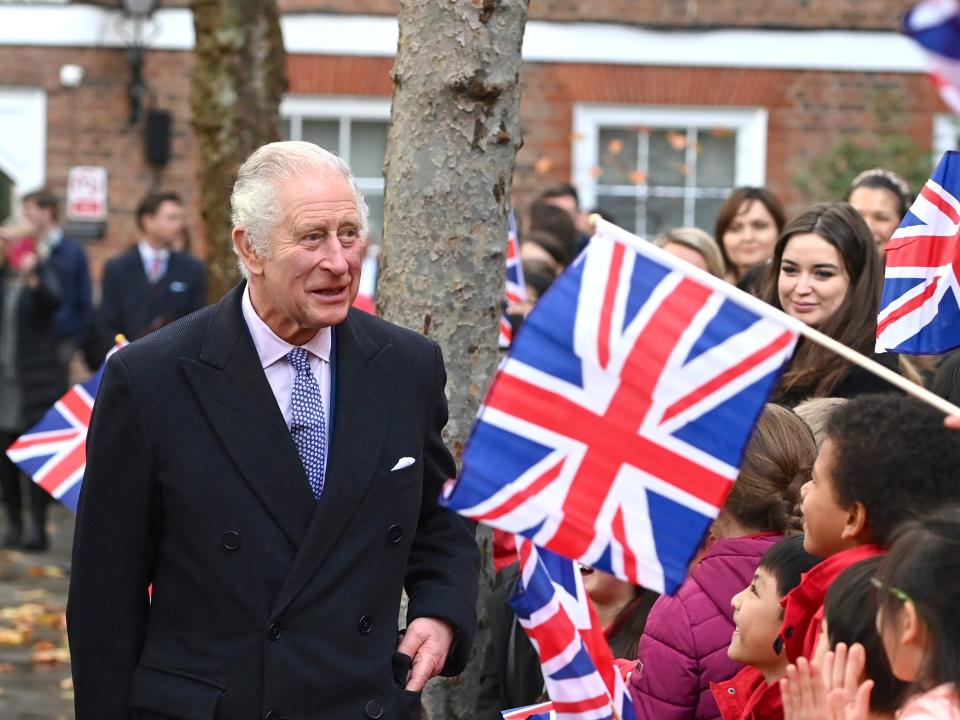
274, 632
231, 540
373, 709
365, 625
394, 533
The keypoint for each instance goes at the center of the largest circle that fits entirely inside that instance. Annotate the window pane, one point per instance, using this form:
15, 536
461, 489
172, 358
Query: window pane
285, 128
325, 133
617, 156
663, 214
375, 203
668, 150
716, 162
705, 213
623, 210
368, 146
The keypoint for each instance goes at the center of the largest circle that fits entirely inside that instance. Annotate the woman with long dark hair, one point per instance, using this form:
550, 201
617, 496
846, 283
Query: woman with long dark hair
826, 272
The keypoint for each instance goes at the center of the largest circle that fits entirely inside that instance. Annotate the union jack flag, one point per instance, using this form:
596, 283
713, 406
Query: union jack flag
613, 430
516, 288
53, 452
920, 305
935, 25
540, 711
578, 668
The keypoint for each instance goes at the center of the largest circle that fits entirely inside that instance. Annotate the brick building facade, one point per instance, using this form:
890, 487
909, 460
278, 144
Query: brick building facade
654, 108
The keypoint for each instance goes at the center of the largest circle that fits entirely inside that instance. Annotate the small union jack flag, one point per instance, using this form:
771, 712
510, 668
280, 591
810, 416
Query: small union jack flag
578, 668
516, 288
920, 305
935, 25
53, 452
614, 429
540, 711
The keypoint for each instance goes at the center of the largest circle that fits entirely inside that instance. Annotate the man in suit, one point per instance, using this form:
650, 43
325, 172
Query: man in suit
272, 466
152, 285
69, 262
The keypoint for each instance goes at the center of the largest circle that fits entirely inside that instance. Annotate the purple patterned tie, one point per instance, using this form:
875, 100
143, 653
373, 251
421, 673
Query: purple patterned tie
307, 423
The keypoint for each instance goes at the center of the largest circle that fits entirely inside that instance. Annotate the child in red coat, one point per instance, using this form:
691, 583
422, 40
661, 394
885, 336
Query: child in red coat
753, 693
885, 459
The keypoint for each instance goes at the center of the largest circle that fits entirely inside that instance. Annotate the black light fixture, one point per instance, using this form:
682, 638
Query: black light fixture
137, 13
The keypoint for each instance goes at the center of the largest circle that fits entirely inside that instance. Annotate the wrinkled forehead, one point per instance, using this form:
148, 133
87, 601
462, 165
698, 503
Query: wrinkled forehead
317, 196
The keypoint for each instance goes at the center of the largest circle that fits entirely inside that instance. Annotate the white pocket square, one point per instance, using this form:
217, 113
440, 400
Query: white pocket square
403, 463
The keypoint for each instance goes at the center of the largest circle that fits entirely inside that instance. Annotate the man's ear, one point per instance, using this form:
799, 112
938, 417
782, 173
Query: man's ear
855, 524
241, 241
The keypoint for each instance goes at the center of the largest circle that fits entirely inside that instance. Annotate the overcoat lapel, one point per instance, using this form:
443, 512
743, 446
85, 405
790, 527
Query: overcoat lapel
361, 417
232, 389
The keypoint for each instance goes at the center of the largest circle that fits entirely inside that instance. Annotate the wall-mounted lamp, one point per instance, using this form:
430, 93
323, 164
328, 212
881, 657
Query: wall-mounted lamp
137, 13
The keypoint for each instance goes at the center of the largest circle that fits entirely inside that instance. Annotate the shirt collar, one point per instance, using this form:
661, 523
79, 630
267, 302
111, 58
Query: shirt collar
54, 237
147, 253
270, 346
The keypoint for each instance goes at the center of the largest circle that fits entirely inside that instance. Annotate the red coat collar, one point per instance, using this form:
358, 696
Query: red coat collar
746, 696
803, 606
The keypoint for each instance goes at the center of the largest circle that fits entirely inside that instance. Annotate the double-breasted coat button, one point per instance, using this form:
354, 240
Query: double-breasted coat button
274, 632
373, 709
365, 625
231, 540
394, 533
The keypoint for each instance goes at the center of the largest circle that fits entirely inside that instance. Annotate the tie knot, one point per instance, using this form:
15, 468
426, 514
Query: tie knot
300, 359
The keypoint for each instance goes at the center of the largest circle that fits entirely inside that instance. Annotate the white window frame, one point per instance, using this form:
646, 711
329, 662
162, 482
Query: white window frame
749, 124
316, 107
946, 135
23, 123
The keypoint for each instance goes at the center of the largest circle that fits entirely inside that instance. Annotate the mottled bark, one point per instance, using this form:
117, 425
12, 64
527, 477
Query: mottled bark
454, 135
238, 81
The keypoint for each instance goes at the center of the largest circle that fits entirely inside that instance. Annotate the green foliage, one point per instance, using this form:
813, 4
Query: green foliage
828, 176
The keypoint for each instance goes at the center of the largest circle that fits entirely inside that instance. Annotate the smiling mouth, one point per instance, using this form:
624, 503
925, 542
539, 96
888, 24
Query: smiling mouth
329, 292
586, 570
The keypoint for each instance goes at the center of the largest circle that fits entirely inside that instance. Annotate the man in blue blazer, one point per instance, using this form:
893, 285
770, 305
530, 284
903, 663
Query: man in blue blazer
152, 285
272, 466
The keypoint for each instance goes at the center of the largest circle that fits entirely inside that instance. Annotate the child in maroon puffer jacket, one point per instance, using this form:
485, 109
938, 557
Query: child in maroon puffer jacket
684, 645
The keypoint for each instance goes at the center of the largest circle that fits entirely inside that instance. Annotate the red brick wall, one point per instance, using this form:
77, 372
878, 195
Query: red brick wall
808, 111
863, 14
87, 125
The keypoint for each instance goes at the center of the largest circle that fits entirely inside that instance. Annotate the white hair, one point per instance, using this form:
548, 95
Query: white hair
255, 200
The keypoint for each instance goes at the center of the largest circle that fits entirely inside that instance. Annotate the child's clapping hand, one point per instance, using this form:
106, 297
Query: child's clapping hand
835, 693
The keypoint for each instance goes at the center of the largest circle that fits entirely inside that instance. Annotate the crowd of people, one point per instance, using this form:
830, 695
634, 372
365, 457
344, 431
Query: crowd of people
49, 322
827, 586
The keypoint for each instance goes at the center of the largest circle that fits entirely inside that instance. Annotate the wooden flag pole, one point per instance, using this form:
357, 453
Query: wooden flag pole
918, 391
759, 306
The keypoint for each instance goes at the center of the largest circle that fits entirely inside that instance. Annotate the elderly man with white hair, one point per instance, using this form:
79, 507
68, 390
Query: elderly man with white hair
271, 466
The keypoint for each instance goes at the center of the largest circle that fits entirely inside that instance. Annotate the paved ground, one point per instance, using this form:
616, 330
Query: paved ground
34, 663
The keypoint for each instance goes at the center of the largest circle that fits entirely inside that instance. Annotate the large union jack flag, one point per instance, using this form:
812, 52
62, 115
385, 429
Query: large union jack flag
578, 669
516, 288
935, 25
53, 452
614, 428
920, 305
